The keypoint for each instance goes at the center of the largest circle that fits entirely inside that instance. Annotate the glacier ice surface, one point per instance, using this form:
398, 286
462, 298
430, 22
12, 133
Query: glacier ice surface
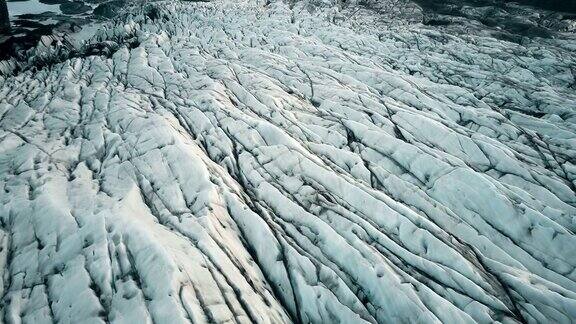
241, 161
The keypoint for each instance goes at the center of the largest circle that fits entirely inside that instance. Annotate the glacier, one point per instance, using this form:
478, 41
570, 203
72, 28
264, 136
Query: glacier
277, 162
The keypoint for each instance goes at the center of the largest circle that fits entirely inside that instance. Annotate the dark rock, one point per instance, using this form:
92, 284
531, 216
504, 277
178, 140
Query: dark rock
74, 8
95, 1
109, 9
67, 27
39, 17
508, 20
25, 23
53, 2
4, 17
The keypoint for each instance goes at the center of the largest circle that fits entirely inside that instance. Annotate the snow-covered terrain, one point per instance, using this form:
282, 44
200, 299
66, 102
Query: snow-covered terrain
241, 161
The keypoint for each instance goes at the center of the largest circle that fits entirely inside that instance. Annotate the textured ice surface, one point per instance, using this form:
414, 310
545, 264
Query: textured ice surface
251, 162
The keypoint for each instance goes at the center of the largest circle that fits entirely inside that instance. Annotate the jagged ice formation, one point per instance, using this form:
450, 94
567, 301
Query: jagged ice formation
273, 162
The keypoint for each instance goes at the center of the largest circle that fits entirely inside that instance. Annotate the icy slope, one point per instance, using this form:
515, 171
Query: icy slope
270, 163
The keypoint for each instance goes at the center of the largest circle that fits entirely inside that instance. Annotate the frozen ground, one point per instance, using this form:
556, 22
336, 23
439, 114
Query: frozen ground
237, 161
